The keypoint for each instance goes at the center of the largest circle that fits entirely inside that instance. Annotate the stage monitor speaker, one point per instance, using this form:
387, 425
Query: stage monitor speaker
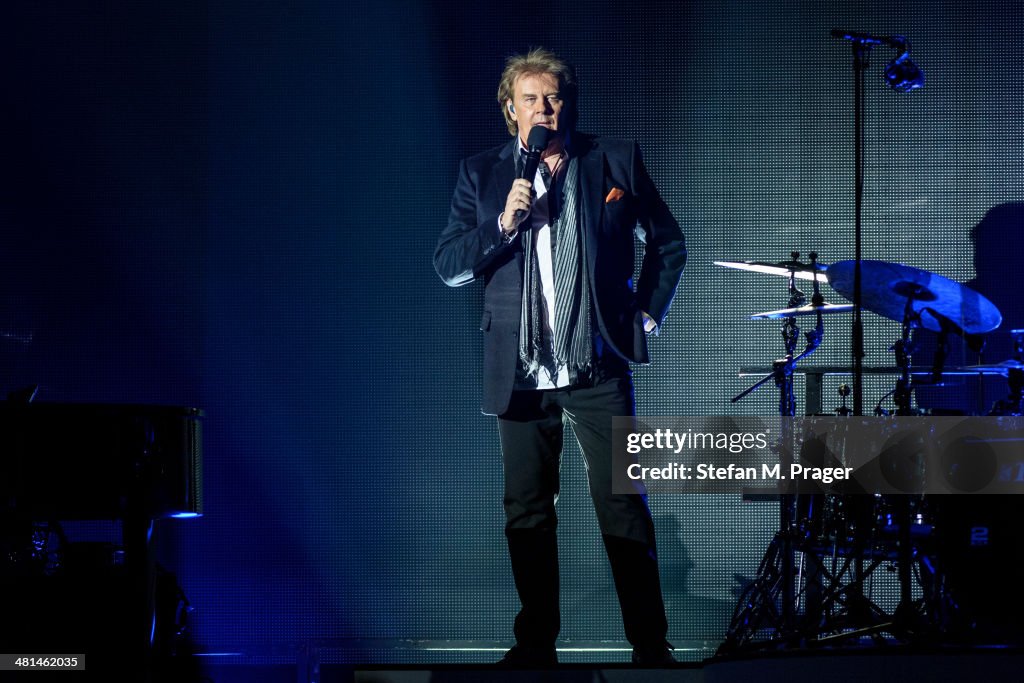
981, 554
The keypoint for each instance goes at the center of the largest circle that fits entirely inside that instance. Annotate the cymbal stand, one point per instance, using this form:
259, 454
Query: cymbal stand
782, 369
902, 396
770, 600
904, 348
939, 359
1016, 376
907, 618
1013, 404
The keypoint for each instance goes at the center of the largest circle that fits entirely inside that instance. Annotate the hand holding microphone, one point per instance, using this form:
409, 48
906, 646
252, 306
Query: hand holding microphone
520, 197
517, 206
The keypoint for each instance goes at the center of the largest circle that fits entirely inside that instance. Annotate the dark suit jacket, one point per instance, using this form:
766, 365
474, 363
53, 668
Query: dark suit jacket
471, 247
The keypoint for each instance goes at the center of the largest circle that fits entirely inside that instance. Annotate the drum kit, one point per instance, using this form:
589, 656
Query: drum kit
916, 298
813, 586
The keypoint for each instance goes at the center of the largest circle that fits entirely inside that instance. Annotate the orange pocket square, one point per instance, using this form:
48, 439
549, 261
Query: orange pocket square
615, 195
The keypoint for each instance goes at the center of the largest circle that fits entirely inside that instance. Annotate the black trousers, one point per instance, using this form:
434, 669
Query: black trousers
531, 434
531, 441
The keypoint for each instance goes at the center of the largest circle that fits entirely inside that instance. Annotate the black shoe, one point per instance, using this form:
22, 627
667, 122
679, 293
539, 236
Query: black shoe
523, 657
654, 657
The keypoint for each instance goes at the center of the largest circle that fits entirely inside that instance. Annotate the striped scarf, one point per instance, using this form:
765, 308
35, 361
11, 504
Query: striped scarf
572, 344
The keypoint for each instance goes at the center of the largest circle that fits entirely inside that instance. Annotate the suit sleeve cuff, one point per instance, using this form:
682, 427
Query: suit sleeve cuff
506, 237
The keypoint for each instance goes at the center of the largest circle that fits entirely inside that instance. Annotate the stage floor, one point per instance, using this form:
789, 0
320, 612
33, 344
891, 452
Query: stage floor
465, 661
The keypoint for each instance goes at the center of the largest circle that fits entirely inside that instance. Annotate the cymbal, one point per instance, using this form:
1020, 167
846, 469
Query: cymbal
801, 271
834, 370
809, 309
997, 368
886, 288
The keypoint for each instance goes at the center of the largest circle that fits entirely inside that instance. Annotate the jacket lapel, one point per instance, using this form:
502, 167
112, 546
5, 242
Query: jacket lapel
501, 183
591, 182
504, 174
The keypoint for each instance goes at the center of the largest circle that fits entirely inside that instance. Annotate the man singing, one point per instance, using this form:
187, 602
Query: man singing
561, 324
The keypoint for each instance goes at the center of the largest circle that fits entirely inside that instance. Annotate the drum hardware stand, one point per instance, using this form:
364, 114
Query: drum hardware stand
907, 618
941, 351
771, 600
1013, 404
783, 368
835, 605
843, 410
903, 397
837, 608
903, 348
975, 342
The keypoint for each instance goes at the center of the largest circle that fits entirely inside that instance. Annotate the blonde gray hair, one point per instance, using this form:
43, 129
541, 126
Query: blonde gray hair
535, 62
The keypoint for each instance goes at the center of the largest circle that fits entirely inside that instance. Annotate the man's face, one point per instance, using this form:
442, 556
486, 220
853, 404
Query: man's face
538, 102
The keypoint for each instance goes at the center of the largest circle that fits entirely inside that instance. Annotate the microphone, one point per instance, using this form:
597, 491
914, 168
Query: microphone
901, 74
536, 142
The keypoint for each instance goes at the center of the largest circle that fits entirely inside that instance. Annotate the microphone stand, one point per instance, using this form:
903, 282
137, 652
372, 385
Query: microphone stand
861, 46
861, 53
904, 76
